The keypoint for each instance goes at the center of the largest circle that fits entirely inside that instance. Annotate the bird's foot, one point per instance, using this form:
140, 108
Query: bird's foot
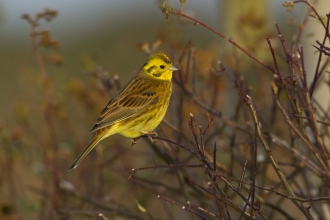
134, 141
151, 136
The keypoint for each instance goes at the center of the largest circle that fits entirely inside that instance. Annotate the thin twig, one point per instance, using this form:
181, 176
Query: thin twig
277, 169
181, 14
167, 166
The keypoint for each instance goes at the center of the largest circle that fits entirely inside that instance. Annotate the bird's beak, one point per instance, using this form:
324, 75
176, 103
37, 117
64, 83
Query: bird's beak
172, 68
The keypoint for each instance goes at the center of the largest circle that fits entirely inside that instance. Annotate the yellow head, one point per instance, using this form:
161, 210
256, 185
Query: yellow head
159, 67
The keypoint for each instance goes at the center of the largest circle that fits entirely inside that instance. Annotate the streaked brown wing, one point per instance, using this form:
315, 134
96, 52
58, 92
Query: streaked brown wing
132, 99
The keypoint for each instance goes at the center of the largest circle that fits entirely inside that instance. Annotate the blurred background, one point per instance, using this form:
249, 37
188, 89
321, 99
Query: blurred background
97, 40
110, 31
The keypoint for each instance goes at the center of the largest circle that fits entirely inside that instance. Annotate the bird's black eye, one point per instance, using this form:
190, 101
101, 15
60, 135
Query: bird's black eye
162, 66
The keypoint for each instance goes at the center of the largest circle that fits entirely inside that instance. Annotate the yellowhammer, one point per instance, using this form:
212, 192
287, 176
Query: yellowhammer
139, 107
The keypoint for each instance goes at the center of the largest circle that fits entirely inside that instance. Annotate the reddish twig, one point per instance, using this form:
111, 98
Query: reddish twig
181, 14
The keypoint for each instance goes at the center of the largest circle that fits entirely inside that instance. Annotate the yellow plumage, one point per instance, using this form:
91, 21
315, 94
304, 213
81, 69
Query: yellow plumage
137, 108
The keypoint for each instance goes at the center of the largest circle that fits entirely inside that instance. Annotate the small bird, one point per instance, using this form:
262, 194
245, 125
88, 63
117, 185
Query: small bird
139, 107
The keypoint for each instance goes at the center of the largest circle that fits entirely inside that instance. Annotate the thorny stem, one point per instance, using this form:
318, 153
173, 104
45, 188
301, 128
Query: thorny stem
325, 199
317, 74
224, 199
301, 136
210, 169
246, 200
168, 166
298, 155
248, 101
311, 113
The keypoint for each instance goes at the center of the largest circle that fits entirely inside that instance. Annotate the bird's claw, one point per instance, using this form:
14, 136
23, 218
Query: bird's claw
151, 136
134, 141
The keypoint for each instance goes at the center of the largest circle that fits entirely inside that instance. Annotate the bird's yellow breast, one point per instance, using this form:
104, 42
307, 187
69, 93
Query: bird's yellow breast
150, 118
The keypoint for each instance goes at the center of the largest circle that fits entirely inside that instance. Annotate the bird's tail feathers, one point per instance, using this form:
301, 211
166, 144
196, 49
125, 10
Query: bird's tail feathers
95, 140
